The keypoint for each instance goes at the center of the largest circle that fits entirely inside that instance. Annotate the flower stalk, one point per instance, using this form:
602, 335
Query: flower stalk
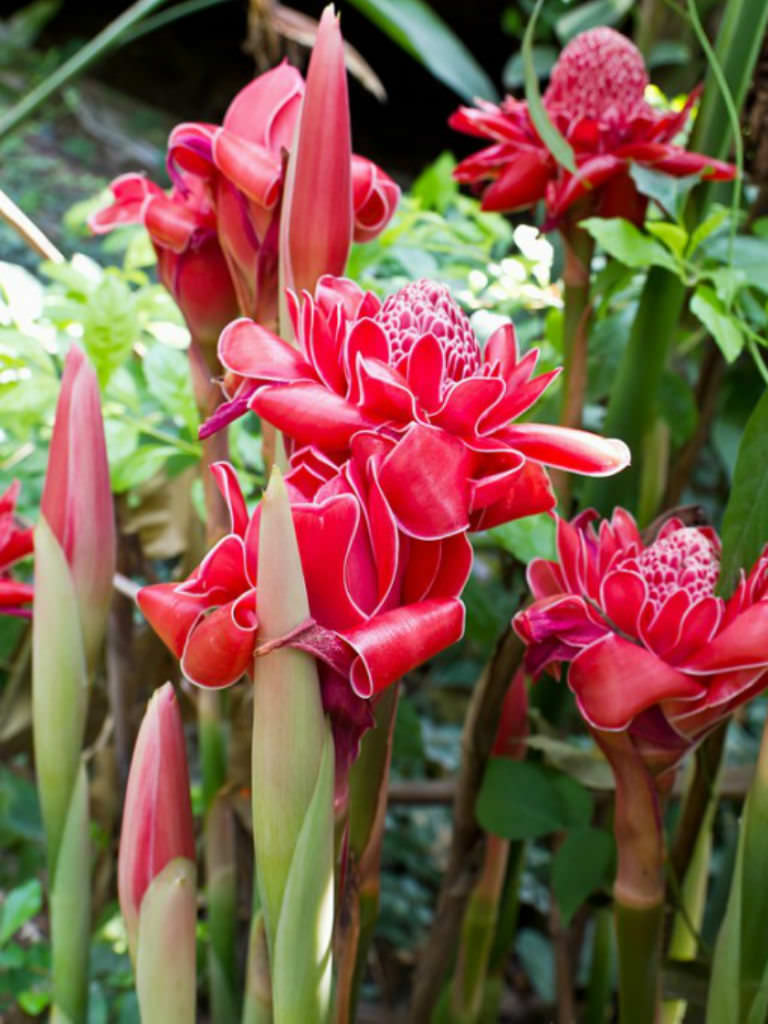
292, 780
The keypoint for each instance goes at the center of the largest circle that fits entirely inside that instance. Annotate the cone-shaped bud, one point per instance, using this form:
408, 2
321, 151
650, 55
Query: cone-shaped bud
317, 219
77, 501
157, 820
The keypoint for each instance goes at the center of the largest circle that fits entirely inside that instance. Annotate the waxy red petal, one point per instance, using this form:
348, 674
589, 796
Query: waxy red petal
529, 492
622, 595
310, 414
742, 644
575, 450
250, 350
522, 182
170, 613
614, 680
395, 642
229, 487
218, 651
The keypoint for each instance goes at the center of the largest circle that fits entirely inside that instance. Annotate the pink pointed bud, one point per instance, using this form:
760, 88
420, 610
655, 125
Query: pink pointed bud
157, 819
77, 500
317, 221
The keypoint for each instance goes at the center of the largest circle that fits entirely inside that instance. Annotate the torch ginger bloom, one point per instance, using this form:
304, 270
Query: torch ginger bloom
380, 602
407, 380
190, 262
596, 100
650, 649
16, 542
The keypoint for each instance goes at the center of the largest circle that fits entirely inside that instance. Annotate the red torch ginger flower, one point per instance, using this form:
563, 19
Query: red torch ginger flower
408, 381
596, 100
381, 602
242, 167
190, 262
16, 542
650, 648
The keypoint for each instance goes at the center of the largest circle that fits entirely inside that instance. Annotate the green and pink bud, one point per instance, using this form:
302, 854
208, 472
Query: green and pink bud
77, 500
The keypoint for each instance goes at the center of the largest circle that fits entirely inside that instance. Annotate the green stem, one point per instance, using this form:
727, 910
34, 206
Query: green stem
599, 988
579, 247
77, 63
632, 407
477, 933
639, 887
368, 780
221, 898
257, 1005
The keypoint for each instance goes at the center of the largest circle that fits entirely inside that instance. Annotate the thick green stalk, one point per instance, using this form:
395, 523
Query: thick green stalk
477, 934
77, 63
639, 887
632, 407
70, 910
579, 247
221, 898
368, 781
600, 985
257, 1005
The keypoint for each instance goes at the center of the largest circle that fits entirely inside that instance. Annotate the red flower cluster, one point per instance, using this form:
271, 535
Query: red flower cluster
596, 100
406, 381
381, 602
15, 542
650, 648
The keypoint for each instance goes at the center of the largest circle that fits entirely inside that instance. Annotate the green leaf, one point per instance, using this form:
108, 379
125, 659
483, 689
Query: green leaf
532, 537
582, 864
669, 192
626, 243
523, 800
590, 15
707, 307
585, 765
435, 187
672, 235
747, 253
667, 52
139, 466
110, 325
678, 407
550, 136
513, 74
167, 373
415, 27
18, 906
745, 523
707, 227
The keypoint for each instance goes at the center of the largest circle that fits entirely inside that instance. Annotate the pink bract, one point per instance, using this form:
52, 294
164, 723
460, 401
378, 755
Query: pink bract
190, 262
380, 602
16, 542
596, 100
407, 381
649, 646
157, 819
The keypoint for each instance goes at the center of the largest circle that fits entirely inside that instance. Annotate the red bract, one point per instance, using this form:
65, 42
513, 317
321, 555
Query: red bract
15, 542
650, 647
381, 603
241, 165
406, 380
596, 100
190, 262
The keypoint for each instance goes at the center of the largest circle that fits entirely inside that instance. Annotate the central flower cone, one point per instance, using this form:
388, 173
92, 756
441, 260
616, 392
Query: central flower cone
686, 560
425, 307
599, 75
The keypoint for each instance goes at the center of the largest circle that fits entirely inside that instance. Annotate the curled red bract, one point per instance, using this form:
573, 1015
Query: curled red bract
16, 542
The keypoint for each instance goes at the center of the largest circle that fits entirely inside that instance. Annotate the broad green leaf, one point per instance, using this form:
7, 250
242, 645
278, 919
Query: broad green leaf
415, 27
669, 192
513, 74
139, 466
590, 15
535, 952
582, 864
436, 187
672, 235
167, 373
707, 227
550, 136
678, 406
626, 243
18, 906
707, 307
745, 523
747, 253
522, 800
585, 765
110, 325
532, 537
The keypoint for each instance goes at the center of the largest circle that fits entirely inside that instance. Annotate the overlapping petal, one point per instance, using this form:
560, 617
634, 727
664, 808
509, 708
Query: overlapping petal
406, 380
16, 542
642, 630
